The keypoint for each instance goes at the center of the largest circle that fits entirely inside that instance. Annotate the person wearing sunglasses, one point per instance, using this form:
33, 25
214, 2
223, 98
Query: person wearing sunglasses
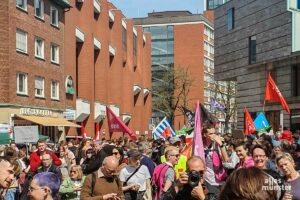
44, 186
71, 187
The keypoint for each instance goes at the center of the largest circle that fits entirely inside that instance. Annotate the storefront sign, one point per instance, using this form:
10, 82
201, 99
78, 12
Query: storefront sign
70, 115
36, 112
26, 134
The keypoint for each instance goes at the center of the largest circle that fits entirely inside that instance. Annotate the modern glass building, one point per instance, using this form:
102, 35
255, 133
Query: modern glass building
162, 38
212, 4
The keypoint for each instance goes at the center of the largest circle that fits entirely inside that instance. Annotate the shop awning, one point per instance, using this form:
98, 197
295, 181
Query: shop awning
48, 121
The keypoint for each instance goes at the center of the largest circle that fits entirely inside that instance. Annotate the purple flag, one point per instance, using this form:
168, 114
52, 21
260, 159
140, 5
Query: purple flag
198, 149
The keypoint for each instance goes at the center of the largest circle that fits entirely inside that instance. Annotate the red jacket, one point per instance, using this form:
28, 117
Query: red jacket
35, 160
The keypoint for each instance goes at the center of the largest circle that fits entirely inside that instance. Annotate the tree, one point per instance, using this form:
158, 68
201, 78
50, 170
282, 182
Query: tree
171, 90
227, 92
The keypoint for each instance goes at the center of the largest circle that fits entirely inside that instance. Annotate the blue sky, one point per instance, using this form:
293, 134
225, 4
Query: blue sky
140, 8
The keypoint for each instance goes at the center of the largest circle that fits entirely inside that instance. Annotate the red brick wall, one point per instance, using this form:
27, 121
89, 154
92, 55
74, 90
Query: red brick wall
27, 63
188, 53
4, 52
114, 80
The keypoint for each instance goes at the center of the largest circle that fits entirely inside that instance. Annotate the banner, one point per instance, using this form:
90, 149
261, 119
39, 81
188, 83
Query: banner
116, 125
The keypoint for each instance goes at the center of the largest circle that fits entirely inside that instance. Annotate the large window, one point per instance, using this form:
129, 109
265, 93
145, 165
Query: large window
252, 50
39, 48
21, 83
21, 41
55, 90
230, 19
54, 53
298, 4
39, 8
296, 80
54, 15
39, 85
21, 4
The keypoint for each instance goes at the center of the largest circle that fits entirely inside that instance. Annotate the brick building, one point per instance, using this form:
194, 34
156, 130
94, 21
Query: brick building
107, 63
252, 38
32, 64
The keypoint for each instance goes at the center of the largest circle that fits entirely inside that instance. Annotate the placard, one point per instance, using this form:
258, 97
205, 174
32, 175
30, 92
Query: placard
26, 134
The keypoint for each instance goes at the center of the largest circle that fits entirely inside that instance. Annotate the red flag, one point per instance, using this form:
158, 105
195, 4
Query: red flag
83, 131
273, 94
97, 136
116, 125
249, 124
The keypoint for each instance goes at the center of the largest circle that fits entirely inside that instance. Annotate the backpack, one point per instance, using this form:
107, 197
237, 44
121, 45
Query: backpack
220, 172
158, 179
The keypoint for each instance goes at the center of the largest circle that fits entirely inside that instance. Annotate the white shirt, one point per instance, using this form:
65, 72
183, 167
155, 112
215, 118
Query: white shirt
139, 177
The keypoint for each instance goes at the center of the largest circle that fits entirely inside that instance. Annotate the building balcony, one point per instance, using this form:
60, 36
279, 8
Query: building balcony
111, 16
83, 110
136, 89
100, 112
97, 7
79, 35
126, 117
112, 51
146, 92
115, 109
97, 44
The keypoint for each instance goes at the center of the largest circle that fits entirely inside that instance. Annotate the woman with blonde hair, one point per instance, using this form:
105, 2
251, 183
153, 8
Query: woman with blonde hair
71, 187
286, 164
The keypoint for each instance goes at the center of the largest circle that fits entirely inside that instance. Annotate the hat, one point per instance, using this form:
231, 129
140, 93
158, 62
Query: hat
133, 153
173, 140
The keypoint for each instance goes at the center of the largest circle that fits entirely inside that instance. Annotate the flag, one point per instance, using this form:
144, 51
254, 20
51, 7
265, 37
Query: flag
76, 138
97, 136
83, 134
207, 117
116, 125
249, 124
198, 149
163, 130
190, 115
273, 94
187, 150
261, 123
216, 105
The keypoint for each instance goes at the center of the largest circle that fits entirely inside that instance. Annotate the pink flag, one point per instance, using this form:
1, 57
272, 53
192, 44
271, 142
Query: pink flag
198, 149
116, 125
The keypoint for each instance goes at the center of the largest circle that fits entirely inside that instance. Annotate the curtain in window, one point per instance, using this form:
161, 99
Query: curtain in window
39, 83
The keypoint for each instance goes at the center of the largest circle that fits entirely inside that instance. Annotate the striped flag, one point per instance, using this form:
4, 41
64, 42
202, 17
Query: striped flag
163, 130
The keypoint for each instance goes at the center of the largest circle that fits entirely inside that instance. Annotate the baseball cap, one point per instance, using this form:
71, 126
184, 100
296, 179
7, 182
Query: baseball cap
133, 153
173, 140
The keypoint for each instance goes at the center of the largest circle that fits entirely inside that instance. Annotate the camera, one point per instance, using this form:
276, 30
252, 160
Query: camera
194, 178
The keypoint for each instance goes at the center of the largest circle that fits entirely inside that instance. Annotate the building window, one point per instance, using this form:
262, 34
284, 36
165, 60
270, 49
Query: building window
55, 90
39, 86
134, 45
54, 53
39, 8
21, 83
124, 38
39, 48
230, 19
296, 80
252, 50
21, 41
54, 15
298, 4
21, 4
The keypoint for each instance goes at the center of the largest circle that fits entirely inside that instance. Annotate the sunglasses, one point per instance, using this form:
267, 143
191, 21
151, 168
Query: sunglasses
176, 155
73, 172
115, 153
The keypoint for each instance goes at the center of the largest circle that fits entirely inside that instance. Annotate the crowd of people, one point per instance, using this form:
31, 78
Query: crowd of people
261, 166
